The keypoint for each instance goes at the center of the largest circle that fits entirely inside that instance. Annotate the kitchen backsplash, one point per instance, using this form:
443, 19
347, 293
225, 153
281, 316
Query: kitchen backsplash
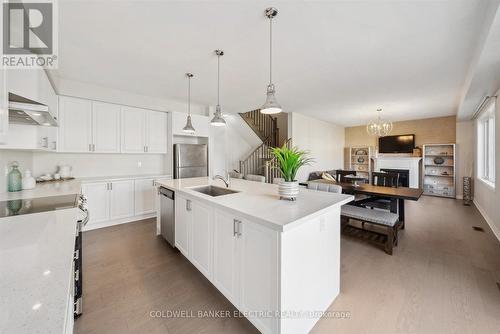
84, 165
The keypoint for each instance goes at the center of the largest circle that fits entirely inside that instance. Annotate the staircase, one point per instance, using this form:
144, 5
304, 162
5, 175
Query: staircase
262, 162
265, 126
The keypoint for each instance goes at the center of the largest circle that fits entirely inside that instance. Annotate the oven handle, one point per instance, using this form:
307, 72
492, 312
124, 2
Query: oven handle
87, 217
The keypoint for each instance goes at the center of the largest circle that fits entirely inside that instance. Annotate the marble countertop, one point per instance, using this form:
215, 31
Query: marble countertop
36, 258
260, 202
123, 177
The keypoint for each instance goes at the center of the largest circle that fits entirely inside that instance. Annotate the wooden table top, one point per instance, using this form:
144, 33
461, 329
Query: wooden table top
412, 194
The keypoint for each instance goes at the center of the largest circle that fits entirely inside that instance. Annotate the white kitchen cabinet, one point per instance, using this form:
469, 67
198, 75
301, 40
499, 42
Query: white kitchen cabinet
145, 197
258, 271
156, 132
121, 199
98, 201
75, 124
106, 127
183, 220
225, 273
201, 238
133, 130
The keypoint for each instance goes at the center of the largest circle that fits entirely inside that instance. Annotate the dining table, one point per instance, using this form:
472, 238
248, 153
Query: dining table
397, 195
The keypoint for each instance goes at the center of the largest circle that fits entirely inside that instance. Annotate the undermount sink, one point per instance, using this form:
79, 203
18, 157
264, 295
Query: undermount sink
214, 191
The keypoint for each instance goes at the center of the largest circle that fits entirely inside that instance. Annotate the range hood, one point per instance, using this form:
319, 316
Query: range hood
28, 112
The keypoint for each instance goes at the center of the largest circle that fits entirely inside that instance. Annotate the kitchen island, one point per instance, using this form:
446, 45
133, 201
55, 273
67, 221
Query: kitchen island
277, 261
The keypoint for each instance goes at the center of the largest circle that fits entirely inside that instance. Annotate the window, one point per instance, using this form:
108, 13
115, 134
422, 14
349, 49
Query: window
486, 145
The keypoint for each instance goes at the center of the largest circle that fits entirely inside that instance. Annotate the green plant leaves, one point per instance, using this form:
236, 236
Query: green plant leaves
290, 160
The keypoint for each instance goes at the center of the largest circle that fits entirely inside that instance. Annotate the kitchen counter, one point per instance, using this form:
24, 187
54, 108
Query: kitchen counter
123, 177
260, 201
36, 258
60, 188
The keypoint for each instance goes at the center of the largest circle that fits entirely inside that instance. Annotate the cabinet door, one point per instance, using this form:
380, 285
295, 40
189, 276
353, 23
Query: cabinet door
133, 130
75, 130
122, 199
145, 197
201, 241
225, 272
97, 200
4, 111
183, 219
106, 127
258, 263
156, 132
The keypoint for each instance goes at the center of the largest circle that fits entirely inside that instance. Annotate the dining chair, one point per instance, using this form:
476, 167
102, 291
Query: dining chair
256, 178
339, 174
328, 187
382, 179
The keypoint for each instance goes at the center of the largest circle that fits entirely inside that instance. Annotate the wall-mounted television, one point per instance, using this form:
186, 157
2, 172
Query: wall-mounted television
396, 144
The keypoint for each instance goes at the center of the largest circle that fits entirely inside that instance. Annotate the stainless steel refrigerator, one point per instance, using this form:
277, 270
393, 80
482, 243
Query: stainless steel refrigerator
190, 160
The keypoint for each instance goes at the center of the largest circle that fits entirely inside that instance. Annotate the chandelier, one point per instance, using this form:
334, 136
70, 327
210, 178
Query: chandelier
379, 127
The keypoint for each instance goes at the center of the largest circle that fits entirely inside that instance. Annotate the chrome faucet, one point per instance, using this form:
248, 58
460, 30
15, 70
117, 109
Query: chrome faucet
226, 180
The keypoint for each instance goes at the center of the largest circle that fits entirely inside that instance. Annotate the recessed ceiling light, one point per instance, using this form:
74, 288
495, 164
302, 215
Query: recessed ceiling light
46, 272
36, 306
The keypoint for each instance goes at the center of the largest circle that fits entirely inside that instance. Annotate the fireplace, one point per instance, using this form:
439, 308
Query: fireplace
407, 165
404, 175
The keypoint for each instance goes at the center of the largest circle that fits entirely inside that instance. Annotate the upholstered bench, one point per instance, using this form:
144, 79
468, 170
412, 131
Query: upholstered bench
385, 219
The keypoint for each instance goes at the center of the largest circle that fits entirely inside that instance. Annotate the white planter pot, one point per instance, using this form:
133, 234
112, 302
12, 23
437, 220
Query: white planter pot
288, 190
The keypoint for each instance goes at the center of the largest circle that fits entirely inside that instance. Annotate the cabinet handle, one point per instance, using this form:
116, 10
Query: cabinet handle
147, 149
45, 142
111, 186
54, 143
236, 228
93, 147
90, 147
188, 205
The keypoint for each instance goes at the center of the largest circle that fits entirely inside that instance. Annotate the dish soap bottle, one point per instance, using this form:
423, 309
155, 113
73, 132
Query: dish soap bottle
14, 178
28, 180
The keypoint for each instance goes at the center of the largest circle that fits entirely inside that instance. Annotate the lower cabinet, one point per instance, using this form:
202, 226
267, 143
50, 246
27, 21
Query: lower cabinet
113, 202
238, 256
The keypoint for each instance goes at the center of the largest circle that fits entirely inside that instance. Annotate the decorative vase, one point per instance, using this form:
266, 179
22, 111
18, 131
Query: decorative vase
14, 178
28, 181
288, 190
467, 197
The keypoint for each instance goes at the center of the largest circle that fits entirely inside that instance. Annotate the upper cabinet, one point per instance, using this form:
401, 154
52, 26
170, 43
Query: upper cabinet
201, 124
143, 131
98, 127
106, 127
75, 124
4, 112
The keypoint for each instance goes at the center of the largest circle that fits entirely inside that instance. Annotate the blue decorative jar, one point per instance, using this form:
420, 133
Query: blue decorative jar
14, 178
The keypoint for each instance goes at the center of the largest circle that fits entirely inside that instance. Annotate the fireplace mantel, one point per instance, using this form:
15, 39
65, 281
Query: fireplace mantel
412, 164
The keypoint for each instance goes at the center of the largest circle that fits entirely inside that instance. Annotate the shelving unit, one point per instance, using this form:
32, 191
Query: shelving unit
360, 160
439, 170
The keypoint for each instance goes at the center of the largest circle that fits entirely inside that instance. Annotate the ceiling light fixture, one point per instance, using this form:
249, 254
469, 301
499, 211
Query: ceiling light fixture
271, 106
189, 126
218, 120
379, 127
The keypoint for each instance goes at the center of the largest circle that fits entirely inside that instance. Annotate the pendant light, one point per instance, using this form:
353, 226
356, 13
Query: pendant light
189, 126
271, 106
218, 120
379, 127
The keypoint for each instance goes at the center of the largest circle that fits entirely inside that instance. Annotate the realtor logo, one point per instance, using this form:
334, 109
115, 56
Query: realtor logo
29, 35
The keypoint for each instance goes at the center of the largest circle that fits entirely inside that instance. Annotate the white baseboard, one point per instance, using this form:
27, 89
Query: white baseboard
495, 229
109, 223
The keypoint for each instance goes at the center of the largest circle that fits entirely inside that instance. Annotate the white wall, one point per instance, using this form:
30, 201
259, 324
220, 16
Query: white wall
464, 153
324, 140
232, 143
90, 165
486, 198
24, 158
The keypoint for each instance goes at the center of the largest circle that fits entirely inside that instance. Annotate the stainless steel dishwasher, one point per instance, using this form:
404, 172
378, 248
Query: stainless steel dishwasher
167, 215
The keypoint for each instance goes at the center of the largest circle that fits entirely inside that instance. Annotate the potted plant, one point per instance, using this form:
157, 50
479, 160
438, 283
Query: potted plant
289, 161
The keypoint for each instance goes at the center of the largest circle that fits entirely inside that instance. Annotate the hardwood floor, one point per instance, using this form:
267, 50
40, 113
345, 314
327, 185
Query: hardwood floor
442, 278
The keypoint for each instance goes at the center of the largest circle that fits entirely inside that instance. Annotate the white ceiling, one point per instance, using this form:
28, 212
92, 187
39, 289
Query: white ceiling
334, 60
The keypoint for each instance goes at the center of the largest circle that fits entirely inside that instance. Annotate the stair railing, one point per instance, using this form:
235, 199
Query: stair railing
265, 126
271, 170
255, 162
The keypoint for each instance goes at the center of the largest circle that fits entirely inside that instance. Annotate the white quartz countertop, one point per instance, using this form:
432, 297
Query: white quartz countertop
44, 190
123, 177
260, 202
36, 258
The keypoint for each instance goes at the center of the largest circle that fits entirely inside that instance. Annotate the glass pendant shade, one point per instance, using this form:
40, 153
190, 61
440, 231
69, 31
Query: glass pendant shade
218, 120
271, 106
379, 127
189, 126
